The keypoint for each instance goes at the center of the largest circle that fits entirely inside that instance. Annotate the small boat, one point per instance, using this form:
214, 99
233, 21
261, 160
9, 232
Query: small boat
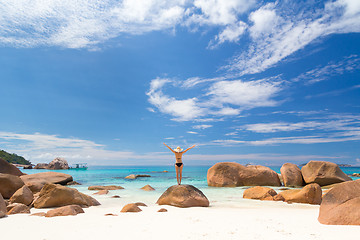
79, 166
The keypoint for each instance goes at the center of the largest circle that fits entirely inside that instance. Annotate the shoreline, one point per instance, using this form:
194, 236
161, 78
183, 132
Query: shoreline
253, 220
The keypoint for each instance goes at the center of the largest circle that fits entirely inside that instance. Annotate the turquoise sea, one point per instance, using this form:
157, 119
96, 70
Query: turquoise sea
160, 180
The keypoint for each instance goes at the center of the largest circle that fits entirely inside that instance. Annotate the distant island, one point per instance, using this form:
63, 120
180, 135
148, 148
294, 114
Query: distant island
13, 158
339, 164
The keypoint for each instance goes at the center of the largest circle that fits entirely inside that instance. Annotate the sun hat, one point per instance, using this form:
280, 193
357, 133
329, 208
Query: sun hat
178, 149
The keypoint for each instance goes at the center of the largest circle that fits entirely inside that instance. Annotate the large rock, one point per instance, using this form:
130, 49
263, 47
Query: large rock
22, 195
341, 205
18, 208
261, 193
65, 211
183, 196
8, 168
2, 207
36, 181
9, 184
323, 173
309, 194
41, 166
109, 187
58, 163
131, 207
54, 195
291, 175
231, 174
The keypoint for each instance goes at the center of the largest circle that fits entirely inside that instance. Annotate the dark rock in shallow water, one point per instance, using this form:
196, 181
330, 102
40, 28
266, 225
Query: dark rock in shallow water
133, 176
41, 166
183, 196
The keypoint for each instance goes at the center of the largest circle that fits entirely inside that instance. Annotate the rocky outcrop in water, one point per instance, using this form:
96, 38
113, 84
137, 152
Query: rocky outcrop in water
323, 173
231, 174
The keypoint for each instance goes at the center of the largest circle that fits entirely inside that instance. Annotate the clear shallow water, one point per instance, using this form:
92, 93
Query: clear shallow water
160, 180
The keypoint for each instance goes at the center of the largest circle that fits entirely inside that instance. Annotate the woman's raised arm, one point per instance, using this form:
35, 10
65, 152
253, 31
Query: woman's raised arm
189, 148
169, 148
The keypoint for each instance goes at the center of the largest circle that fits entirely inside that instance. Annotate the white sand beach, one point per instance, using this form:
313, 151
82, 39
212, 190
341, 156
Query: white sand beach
251, 219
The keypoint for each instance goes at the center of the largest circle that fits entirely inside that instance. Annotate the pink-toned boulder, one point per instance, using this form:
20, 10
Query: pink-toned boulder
37, 181
8, 168
231, 174
2, 207
54, 195
148, 188
131, 207
162, 210
341, 205
183, 196
291, 175
309, 194
18, 208
58, 163
9, 184
323, 173
110, 187
65, 211
23, 195
260, 193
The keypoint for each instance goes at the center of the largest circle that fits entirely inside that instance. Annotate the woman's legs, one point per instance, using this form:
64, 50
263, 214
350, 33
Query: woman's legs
177, 174
181, 168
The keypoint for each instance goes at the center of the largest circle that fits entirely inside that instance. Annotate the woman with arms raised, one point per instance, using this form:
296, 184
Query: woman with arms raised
179, 164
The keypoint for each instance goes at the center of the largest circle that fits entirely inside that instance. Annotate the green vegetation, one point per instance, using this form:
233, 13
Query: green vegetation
13, 158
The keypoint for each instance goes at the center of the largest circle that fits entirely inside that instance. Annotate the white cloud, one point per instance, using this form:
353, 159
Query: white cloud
83, 23
264, 20
218, 12
249, 94
202, 126
192, 132
231, 33
321, 73
222, 98
182, 110
291, 32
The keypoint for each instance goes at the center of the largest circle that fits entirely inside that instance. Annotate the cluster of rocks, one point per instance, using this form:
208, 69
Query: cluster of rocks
230, 174
56, 164
310, 194
18, 194
340, 205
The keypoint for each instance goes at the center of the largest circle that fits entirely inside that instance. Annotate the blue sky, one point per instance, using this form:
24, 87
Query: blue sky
106, 82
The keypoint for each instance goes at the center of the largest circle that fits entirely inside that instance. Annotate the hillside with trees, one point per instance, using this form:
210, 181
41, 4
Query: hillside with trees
13, 158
